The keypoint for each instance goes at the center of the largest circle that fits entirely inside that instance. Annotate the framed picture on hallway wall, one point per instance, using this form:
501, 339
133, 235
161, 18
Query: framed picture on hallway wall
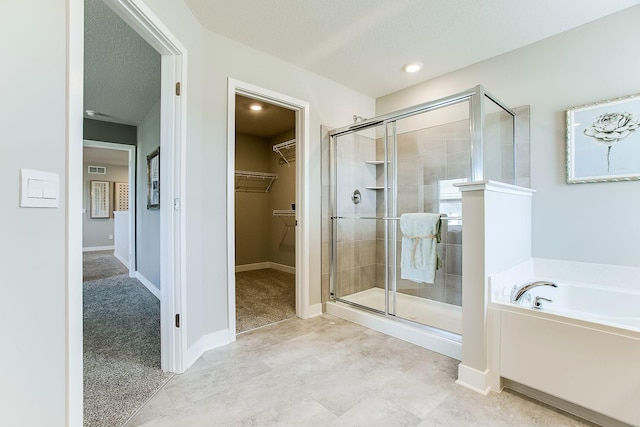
603, 141
100, 199
153, 180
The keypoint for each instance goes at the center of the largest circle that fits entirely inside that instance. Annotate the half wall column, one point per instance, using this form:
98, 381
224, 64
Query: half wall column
497, 236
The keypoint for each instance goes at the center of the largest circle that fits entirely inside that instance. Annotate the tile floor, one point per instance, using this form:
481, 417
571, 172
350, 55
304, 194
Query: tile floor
327, 371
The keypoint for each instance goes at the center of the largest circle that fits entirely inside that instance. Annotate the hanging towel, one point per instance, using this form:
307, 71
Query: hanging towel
420, 234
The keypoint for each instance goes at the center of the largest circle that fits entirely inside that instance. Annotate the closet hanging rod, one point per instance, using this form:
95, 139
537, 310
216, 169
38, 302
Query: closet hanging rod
246, 177
255, 175
284, 145
444, 218
286, 156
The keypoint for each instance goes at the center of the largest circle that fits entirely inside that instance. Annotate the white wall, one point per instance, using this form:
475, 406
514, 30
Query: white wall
96, 231
584, 222
147, 221
32, 246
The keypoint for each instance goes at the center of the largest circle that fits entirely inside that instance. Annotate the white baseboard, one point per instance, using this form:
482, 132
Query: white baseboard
251, 267
147, 283
473, 379
98, 248
314, 311
204, 344
122, 259
263, 265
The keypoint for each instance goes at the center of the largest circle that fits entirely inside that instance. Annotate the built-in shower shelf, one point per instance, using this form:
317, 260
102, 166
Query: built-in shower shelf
375, 163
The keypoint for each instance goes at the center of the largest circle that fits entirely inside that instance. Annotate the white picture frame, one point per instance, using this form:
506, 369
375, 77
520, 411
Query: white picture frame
603, 141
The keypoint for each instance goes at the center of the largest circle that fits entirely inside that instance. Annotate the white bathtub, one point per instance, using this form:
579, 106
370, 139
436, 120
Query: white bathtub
582, 349
605, 305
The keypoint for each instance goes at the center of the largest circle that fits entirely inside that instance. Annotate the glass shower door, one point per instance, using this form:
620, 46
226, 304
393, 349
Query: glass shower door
358, 201
431, 153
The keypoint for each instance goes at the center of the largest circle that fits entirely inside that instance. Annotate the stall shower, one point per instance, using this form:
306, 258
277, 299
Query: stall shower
395, 212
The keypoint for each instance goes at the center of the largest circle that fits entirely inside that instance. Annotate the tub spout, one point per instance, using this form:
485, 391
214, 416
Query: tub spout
518, 291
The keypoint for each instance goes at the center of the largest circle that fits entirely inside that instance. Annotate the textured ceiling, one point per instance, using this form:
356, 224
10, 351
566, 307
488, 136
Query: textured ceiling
122, 71
363, 44
104, 157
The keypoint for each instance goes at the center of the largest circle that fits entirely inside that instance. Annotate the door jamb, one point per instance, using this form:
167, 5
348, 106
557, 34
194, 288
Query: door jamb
172, 136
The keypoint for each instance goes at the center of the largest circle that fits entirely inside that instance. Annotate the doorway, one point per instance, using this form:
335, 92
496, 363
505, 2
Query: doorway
265, 216
297, 220
172, 107
115, 164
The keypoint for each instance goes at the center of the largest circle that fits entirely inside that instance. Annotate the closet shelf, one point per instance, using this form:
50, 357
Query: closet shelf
287, 217
287, 151
254, 182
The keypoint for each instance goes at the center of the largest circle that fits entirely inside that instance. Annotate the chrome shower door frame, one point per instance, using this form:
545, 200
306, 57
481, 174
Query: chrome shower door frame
476, 98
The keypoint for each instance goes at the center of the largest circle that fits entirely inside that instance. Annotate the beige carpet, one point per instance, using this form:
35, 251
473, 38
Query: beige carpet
100, 265
121, 342
263, 297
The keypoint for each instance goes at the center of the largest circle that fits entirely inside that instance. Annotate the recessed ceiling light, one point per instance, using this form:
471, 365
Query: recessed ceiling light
412, 67
255, 107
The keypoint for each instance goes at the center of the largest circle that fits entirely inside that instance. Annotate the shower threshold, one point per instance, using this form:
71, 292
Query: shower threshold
429, 324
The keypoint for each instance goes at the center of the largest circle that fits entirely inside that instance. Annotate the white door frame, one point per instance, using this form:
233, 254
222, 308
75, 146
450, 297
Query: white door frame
172, 213
131, 174
302, 193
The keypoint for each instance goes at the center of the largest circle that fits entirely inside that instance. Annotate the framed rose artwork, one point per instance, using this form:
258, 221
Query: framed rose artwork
603, 141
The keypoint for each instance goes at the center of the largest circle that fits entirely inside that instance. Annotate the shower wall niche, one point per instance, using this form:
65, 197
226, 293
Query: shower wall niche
410, 162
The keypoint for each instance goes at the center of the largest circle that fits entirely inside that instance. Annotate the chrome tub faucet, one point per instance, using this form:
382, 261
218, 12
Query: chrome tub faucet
519, 291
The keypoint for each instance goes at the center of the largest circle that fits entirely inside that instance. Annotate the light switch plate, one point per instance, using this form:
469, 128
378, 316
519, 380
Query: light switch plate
39, 189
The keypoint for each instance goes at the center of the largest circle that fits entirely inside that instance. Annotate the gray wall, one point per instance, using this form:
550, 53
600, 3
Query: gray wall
582, 222
96, 231
147, 221
97, 130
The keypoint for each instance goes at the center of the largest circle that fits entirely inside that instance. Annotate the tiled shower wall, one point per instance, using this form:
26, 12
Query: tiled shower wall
356, 237
425, 157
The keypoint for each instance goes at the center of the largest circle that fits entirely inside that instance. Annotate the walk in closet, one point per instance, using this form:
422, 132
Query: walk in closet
265, 215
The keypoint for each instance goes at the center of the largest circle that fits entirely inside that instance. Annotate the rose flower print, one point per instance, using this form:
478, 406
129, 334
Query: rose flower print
610, 128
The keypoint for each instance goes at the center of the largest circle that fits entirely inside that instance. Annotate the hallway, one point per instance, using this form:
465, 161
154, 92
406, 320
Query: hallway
121, 342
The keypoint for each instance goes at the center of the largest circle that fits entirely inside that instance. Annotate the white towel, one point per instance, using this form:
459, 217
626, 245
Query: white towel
420, 234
